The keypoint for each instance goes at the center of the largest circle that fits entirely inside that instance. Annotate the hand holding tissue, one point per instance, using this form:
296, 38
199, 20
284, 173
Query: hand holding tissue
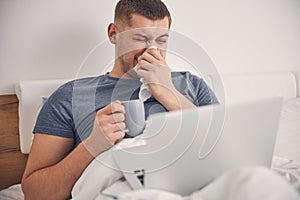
154, 74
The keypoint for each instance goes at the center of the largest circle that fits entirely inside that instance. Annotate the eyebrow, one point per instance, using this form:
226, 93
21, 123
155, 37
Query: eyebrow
164, 35
145, 36
140, 35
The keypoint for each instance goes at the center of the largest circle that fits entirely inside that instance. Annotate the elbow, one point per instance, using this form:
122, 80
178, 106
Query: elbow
25, 188
32, 191
29, 190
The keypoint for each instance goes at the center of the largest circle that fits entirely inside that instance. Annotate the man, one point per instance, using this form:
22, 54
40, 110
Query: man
60, 151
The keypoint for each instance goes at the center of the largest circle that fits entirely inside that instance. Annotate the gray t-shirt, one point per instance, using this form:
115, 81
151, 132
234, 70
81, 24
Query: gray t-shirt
70, 111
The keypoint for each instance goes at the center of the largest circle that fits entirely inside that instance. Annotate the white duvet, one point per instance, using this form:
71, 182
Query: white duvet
102, 182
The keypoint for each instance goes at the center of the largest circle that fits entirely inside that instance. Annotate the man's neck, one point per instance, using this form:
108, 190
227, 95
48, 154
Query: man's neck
118, 73
115, 73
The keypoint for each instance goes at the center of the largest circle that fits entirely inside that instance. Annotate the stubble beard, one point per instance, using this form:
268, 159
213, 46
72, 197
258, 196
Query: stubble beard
126, 68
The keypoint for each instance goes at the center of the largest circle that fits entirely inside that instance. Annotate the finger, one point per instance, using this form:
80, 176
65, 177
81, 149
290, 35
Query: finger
155, 54
116, 118
115, 136
117, 127
147, 67
104, 119
117, 107
143, 62
153, 59
106, 110
147, 56
114, 107
146, 75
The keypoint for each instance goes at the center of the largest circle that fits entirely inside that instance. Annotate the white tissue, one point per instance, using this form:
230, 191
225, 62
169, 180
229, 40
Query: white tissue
144, 92
130, 142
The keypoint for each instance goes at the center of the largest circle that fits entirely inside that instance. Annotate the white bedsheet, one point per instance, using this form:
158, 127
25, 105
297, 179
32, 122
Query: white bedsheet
12, 193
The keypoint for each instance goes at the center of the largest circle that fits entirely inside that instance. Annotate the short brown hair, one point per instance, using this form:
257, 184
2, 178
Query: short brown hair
152, 9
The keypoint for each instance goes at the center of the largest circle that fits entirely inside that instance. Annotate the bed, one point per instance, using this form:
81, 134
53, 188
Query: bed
17, 119
11, 159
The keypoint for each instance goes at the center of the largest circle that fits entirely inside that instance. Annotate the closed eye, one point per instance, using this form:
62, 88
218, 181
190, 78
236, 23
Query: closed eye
162, 41
140, 39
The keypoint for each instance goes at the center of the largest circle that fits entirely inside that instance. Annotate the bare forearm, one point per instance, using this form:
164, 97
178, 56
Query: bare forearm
176, 101
57, 181
52, 170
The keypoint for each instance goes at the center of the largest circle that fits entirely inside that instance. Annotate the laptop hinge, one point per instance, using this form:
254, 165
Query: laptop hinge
140, 174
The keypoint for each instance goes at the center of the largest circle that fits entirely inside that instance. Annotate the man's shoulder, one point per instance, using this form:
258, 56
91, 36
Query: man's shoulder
80, 83
186, 75
180, 73
67, 90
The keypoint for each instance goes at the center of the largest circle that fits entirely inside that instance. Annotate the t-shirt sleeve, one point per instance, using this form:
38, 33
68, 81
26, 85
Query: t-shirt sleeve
55, 117
203, 93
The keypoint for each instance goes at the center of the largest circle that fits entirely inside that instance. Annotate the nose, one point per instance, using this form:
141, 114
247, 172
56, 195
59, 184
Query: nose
150, 43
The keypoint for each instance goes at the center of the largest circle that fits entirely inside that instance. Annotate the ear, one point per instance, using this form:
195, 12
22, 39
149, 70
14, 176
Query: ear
112, 33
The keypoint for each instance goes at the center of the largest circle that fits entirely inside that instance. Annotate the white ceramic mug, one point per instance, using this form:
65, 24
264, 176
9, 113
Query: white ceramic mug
134, 117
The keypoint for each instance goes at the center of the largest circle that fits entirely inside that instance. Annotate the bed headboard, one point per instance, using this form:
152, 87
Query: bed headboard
12, 161
253, 86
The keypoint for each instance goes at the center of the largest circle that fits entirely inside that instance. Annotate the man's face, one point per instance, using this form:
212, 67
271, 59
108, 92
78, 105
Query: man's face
135, 37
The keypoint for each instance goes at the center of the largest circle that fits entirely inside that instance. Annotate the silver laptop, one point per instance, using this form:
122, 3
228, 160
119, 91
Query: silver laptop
183, 151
